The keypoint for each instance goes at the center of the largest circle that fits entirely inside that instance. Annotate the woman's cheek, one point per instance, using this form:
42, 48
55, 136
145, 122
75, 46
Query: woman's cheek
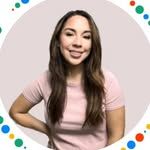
88, 45
66, 41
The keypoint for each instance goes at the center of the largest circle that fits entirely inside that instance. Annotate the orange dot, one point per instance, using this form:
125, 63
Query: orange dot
123, 148
139, 137
11, 136
148, 126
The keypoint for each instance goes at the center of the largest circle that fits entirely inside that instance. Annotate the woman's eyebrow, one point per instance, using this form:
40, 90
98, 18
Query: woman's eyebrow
87, 31
73, 30
70, 29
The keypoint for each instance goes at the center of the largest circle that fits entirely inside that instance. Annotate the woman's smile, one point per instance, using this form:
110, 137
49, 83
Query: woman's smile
75, 54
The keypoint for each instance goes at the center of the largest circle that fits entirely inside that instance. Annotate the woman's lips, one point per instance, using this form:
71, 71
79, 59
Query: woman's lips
75, 54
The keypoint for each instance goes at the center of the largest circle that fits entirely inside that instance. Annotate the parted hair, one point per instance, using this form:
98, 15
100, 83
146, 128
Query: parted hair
93, 78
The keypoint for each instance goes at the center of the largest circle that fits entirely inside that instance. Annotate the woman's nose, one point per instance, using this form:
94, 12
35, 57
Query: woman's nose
77, 42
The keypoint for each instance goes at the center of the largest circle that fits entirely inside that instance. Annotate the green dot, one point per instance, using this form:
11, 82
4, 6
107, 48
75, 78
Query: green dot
18, 142
17, 5
1, 120
139, 9
149, 23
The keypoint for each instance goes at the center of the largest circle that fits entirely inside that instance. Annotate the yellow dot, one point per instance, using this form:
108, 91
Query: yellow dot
148, 126
123, 148
11, 136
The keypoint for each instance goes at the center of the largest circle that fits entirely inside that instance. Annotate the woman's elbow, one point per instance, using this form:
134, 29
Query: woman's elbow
12, 113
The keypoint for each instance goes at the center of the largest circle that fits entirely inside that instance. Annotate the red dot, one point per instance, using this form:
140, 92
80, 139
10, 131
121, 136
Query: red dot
139, 137
132, 3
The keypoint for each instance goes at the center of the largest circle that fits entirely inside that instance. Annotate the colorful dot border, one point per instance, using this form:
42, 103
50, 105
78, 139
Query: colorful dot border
139, 9
19, 4
138, 138
5, 129
131, 144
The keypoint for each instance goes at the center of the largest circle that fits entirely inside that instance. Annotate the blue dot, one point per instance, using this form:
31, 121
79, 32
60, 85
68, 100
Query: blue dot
144, 131
5, 129
24, 1
131, 144
146, 16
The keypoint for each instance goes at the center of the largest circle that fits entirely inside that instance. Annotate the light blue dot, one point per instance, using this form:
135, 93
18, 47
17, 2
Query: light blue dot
5, 129
131, 144
25, 1
146, 16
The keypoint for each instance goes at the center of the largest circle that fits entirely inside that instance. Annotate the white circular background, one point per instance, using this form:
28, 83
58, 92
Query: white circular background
126, 53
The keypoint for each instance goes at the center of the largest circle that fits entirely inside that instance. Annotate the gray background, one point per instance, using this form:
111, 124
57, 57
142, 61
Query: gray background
24, 54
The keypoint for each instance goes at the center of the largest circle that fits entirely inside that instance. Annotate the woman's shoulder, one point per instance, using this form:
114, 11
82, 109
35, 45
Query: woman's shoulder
114, 92
43, 77
109, 77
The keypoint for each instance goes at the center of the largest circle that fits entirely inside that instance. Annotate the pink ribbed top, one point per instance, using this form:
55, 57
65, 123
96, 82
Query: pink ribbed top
69, 135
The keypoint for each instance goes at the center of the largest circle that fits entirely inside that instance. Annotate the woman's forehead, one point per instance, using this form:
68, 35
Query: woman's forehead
77, 21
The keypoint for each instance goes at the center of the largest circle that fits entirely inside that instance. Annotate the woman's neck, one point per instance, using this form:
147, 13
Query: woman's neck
75, 74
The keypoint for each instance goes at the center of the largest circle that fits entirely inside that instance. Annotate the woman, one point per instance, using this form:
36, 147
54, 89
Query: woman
84, 103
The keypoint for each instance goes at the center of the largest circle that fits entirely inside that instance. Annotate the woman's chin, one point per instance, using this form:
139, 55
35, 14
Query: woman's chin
75, 63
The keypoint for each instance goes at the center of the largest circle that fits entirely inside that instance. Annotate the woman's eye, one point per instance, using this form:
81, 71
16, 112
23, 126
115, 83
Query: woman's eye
68, 34
87, 37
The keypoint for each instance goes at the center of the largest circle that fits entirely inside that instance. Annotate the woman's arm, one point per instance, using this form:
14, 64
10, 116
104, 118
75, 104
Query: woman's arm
19, 112
115, 121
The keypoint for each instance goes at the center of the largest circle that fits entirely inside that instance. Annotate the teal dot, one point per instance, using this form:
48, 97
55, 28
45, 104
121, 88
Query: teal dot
17, 5
139, 9
0, 30
18, 142
1, 119
149, 23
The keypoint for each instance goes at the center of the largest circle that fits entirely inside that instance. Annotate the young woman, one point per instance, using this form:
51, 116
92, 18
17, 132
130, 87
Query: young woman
84, 103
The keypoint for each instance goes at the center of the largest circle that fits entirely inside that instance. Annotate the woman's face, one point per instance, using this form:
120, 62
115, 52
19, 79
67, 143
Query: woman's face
75, 40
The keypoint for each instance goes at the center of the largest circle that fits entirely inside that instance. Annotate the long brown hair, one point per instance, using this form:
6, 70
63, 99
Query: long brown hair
93, 76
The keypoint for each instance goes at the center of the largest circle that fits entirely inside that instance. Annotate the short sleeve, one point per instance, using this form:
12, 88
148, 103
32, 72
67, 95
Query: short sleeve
114, 93
33, 92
